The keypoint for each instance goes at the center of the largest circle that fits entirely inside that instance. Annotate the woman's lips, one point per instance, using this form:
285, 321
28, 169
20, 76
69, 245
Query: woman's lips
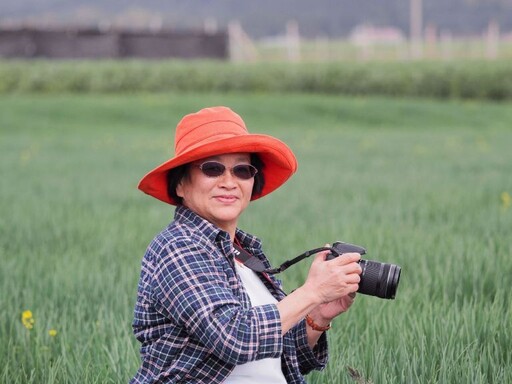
226, 198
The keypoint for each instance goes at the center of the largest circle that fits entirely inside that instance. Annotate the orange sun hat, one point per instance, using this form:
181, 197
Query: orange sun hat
216, 131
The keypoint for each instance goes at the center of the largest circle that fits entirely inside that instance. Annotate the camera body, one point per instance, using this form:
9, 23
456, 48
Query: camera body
377, 279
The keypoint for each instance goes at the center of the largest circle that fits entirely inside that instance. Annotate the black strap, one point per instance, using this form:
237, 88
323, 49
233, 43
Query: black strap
252, 262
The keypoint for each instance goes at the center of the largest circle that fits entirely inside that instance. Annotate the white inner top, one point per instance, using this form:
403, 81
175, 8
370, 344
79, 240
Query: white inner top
264, 370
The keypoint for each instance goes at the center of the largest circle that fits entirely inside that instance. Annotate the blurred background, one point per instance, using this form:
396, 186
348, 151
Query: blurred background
292, 30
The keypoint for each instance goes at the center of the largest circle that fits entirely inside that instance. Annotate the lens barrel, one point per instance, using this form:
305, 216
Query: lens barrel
379, 279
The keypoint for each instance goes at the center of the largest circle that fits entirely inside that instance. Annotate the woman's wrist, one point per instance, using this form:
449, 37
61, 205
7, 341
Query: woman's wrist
308, 296
319, 319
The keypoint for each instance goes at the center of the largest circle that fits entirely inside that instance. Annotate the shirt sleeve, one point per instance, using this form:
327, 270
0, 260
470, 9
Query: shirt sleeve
192, 289
310, 359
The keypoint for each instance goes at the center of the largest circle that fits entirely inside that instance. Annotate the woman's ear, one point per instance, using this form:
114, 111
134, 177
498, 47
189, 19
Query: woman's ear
179, 189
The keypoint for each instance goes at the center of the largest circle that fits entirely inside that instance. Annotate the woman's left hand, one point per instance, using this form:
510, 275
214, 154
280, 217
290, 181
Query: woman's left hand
326, 312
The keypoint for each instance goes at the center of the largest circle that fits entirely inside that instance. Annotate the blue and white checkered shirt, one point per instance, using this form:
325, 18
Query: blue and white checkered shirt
194, 317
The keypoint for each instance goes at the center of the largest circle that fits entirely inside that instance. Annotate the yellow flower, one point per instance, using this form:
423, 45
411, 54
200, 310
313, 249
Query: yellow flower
52, 332
26, 314
506, 200
27, 319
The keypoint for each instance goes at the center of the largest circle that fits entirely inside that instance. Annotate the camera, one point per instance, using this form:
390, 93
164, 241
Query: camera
377, 279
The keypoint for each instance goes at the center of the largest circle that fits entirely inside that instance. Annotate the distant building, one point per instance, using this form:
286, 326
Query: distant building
94, 43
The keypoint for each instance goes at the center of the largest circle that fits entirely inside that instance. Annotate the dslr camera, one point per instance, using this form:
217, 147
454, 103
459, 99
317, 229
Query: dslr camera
377, 279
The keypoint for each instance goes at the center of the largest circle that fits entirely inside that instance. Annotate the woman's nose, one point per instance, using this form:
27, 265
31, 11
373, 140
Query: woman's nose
227, 179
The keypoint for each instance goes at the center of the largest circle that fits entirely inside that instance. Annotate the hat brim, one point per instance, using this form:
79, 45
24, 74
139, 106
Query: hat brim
278, 159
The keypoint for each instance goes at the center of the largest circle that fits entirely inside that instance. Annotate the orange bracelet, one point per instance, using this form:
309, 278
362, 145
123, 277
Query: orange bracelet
315, 326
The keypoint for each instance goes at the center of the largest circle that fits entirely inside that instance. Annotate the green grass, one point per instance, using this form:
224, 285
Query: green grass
418, 183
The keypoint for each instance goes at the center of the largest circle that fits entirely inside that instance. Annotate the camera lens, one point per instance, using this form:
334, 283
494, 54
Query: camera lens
379, 279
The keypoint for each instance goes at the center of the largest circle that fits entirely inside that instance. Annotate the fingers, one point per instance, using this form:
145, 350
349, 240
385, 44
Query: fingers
348, 263
322, 256
352, 288
347, 258
353, 278
351, 268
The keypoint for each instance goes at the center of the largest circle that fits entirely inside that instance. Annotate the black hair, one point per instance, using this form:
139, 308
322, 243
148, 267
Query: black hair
259, 178
176, 175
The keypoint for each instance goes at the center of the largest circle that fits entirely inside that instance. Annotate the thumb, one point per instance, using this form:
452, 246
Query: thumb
321, 256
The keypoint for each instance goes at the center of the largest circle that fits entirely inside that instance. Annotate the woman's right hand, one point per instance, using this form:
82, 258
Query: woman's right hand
327, 281
332, 279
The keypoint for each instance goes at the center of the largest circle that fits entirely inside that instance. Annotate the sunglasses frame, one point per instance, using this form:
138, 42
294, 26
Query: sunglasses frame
253, 169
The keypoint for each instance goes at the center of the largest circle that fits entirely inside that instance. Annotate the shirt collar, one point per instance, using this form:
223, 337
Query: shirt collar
186, 216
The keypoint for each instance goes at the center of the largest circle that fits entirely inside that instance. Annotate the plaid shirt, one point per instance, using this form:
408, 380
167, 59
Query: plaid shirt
194, 317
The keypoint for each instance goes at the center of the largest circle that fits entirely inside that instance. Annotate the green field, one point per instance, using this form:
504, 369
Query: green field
458, 79
422, 184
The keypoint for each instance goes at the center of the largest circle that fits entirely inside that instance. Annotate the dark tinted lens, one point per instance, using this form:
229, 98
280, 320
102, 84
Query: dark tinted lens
212, 168
244, 171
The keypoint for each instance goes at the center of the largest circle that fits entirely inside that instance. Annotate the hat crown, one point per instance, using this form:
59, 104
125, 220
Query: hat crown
207, 126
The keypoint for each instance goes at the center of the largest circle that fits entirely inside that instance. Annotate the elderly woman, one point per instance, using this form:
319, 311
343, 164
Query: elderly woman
203, 316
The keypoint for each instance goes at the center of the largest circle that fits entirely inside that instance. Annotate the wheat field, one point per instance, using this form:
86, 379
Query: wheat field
423, 184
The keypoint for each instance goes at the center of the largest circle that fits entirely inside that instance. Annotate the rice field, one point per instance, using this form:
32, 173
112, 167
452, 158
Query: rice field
423, 184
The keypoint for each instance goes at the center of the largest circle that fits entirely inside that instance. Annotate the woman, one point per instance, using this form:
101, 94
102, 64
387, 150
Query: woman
201, 315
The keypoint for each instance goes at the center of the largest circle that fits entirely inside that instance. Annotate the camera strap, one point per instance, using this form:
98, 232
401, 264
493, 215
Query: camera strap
252, 262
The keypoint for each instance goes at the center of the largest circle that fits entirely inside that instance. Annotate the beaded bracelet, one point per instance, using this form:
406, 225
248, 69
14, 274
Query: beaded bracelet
315, 326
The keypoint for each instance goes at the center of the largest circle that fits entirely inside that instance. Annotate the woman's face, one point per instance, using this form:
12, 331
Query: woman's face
222, 199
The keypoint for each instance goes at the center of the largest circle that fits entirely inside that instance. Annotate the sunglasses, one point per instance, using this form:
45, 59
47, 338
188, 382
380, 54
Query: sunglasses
216, 169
